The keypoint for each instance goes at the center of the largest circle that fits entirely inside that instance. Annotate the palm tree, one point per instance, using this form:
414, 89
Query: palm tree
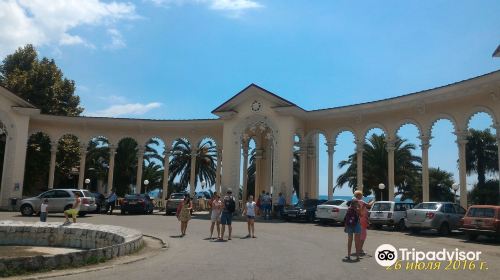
97, 160
180, 165
481, 154
153, 172
375, 166
251, 174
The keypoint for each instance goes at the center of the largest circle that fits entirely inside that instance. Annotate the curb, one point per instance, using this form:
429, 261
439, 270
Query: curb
164, 244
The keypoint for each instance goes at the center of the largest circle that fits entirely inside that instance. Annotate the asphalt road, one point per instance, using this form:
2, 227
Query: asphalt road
280, 251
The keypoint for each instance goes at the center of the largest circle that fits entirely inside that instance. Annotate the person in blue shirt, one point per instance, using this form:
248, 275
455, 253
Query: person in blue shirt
281, 204
110, 202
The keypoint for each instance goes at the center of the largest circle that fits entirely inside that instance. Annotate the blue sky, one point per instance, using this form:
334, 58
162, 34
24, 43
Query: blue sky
179, 59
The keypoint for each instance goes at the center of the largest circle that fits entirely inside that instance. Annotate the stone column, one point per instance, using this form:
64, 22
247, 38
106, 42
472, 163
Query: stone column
330, 150
140, 162
497, 127
359, 164
83, 157
166, 167
218, 170
425, 140
192, 177
111, 170
245, 173
258, 167
311, 172
52, 169
302, 175
462, 142
390, 147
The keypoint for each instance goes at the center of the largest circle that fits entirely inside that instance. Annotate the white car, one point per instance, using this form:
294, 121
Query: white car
389, 213
332, 211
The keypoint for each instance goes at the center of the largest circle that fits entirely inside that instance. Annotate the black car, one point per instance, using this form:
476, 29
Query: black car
303, 210
137, 203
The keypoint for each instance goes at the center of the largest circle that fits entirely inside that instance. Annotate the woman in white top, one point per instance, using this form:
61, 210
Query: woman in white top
216, 204
250, 210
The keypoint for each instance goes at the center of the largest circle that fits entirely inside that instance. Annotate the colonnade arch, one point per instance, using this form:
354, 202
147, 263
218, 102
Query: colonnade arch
3, 144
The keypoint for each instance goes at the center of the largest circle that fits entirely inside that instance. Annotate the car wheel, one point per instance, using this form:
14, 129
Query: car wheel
401, 225
82, 214
377, 226
444, 229
415, 230
310, 218
26, 210
67, 207
471, 236
168, 213
123, 212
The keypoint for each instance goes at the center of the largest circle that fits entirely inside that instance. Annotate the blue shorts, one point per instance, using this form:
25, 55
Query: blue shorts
353, 229
226, 218
250, 217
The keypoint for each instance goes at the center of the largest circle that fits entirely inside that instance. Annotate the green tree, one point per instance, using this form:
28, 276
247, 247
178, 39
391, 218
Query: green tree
97, 161
481, 154
41, 82
375, 166
180, 165
125, 172
486, 194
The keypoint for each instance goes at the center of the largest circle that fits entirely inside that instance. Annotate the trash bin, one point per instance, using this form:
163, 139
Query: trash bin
13, 203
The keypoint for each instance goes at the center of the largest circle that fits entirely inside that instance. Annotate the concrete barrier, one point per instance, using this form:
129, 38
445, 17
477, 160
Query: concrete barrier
98, 242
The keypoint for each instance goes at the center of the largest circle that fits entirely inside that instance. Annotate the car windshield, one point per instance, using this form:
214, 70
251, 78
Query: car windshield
429, 206
87, 193
177, 196
381, 207
336, 202
481, 212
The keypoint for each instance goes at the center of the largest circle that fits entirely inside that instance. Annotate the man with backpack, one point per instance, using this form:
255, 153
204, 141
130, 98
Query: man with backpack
352, 227
227, 214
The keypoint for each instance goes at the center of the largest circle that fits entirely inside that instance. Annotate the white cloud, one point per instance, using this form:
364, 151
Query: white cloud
234, 7
43, 22
131, 109
117, 41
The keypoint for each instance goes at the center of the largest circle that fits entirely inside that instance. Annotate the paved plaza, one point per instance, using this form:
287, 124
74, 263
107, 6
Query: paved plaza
280, 251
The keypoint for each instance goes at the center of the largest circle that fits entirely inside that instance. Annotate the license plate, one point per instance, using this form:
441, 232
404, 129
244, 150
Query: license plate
292, 215
379, 215
132, 203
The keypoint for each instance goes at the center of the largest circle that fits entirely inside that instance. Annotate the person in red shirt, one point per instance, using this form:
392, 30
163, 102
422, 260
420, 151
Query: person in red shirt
363, 207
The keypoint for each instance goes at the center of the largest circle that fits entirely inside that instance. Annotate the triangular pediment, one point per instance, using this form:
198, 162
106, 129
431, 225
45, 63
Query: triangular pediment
14, 98
251, 92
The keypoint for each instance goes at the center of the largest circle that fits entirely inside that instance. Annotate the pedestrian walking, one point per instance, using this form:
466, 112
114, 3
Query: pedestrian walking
227, 214
111, 202
73, 211
184, 213
267, 204
216, 205
352, 228
249, 212
281, 204
363, 218
43, 210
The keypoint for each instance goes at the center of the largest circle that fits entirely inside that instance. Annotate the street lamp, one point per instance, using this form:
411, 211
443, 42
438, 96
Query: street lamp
455, 188
87, 182
381, 186
203, 184
146, 183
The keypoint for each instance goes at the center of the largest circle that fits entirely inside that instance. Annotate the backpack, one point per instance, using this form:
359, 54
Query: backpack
231, 205
351, 217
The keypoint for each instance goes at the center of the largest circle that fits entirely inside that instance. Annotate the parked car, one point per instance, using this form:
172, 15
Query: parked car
482, 220
332, 211
441, 216
173, 202
303, 210
389, 213
59, 201
100, 202
137, 203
